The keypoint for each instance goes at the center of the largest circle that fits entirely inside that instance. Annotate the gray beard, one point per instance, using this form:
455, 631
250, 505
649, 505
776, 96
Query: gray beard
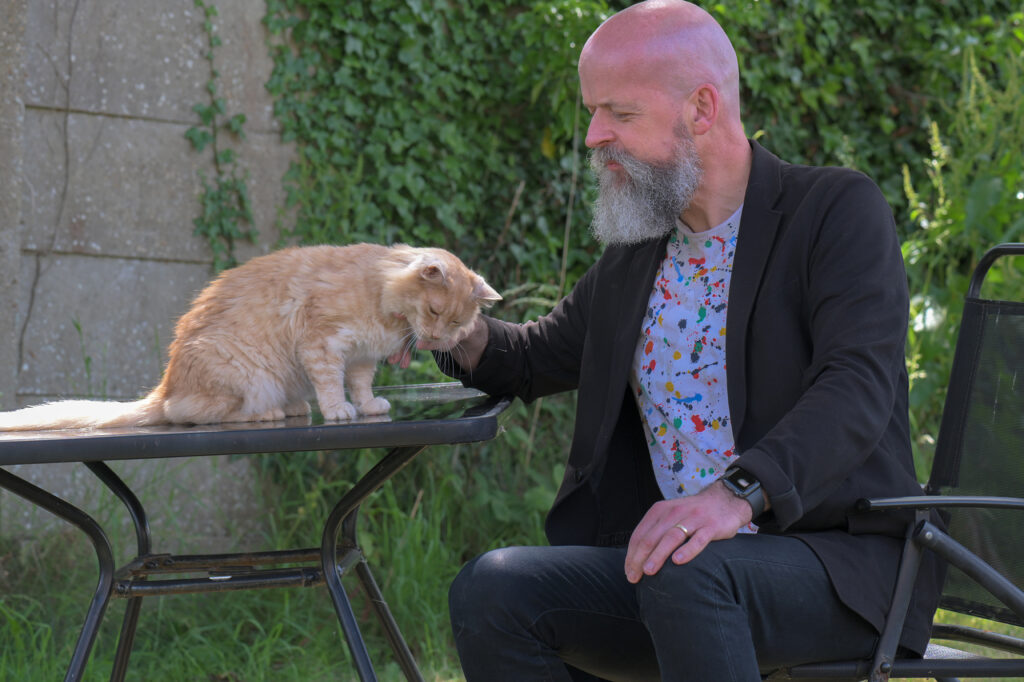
645, 204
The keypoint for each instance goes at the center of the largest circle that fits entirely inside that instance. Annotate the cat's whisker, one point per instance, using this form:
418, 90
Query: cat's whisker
454, 358
409, 343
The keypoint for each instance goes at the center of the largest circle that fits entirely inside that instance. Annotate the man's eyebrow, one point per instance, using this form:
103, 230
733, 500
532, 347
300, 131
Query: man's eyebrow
613, 104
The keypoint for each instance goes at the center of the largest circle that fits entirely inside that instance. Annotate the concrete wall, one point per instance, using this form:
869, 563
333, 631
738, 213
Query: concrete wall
108, 184
99, 188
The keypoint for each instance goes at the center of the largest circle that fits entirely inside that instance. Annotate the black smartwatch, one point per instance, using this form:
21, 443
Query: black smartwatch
743, 485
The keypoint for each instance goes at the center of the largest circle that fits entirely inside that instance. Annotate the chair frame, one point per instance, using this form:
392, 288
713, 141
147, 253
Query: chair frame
941, 663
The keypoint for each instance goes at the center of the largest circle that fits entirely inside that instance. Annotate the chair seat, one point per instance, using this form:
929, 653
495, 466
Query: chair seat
940, 651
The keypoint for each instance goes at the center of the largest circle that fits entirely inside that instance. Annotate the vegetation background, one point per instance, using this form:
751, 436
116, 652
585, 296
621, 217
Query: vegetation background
459, 125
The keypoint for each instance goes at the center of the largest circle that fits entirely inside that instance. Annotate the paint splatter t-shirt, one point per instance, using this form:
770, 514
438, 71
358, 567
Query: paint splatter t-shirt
678, 374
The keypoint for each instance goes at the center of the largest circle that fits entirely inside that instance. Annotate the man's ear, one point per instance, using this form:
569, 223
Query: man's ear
705, 103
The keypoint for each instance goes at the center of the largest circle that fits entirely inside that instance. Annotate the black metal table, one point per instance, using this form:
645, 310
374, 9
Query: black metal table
420, 416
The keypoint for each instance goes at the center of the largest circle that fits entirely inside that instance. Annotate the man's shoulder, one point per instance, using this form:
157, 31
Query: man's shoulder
620, 256
809, 175
799, 179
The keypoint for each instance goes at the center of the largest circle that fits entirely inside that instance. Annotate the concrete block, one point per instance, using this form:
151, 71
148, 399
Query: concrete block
125, 309
130, 188
47, 54
266, 159
145, 58
244, 63
120, 187
194, 504
12, 118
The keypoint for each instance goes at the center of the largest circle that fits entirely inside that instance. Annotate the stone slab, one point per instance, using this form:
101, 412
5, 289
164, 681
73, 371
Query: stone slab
194, 504
144, 58
12, 117
130, 188
125, 312
96, 228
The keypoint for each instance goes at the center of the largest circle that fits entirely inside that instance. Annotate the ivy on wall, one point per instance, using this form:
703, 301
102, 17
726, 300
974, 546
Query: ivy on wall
226, 207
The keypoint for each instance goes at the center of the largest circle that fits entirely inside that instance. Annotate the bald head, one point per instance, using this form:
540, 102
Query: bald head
661, 82
671, 41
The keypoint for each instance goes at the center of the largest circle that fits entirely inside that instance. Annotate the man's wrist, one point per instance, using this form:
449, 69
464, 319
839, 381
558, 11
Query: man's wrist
745, 486
472, 347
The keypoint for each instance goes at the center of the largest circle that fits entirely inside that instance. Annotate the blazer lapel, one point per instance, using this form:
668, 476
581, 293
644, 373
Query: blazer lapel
633, 304
758, 228
624, 316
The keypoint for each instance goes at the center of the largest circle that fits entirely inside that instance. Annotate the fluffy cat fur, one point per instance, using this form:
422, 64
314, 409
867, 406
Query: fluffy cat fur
262, 335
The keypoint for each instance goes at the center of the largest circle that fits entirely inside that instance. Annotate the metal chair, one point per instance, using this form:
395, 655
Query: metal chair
977, 482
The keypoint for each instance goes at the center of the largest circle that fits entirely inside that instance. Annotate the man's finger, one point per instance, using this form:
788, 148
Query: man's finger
402, 358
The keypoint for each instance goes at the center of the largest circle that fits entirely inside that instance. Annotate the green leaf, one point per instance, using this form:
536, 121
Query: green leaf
199, 138
226, 156
235, 123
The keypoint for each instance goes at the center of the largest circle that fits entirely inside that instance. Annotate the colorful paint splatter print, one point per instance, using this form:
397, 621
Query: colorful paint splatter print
679, 369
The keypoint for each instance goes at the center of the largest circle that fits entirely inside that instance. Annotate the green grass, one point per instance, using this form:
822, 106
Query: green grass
280, 634
954, 618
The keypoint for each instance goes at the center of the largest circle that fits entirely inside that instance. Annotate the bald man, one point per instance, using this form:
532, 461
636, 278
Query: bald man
738, 355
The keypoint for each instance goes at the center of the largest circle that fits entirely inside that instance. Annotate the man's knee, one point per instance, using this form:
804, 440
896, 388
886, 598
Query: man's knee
705, 581
482, 587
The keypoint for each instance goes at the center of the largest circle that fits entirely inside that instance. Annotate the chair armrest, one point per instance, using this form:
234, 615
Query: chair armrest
939, 501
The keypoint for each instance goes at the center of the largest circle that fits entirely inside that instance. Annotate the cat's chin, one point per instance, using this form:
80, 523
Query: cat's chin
439, 346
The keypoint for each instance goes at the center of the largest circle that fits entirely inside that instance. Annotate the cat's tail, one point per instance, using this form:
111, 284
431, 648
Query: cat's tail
77, 414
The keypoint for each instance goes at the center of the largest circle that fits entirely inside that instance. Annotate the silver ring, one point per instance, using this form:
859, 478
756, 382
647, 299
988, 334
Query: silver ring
686, 531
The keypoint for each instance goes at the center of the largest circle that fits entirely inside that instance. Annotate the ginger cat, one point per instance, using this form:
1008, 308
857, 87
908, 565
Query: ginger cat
261, 335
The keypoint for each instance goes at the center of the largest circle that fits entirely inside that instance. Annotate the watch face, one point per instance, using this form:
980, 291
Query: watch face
741, 480
747, 487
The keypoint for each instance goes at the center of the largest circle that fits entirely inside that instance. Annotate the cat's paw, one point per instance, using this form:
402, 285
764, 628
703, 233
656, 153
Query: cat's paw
375, 406
340, 412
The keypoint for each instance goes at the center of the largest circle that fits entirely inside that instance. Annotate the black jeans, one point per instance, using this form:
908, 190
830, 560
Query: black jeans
745, 605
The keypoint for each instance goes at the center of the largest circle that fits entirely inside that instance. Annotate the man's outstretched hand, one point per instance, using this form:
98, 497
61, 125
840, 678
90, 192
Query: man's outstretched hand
467, 352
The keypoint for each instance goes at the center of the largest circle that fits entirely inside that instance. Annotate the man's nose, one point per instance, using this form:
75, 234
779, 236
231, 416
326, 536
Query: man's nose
598, 131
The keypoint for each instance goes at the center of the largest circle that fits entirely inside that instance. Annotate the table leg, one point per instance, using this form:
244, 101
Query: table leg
126, 639
395, 639
343, 517
104, 555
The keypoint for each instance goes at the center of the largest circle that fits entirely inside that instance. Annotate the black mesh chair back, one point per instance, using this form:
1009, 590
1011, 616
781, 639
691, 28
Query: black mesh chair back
980, 450
977, 482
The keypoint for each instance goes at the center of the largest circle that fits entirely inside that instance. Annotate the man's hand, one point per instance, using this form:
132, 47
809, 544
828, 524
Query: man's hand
402, 358
468, 351
712, 514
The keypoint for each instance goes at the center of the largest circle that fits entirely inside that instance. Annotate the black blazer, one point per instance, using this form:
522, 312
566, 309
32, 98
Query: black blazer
816, 327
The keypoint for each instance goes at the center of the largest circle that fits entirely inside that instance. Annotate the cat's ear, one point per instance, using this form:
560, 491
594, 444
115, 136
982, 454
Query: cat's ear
484, 294
433, 272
